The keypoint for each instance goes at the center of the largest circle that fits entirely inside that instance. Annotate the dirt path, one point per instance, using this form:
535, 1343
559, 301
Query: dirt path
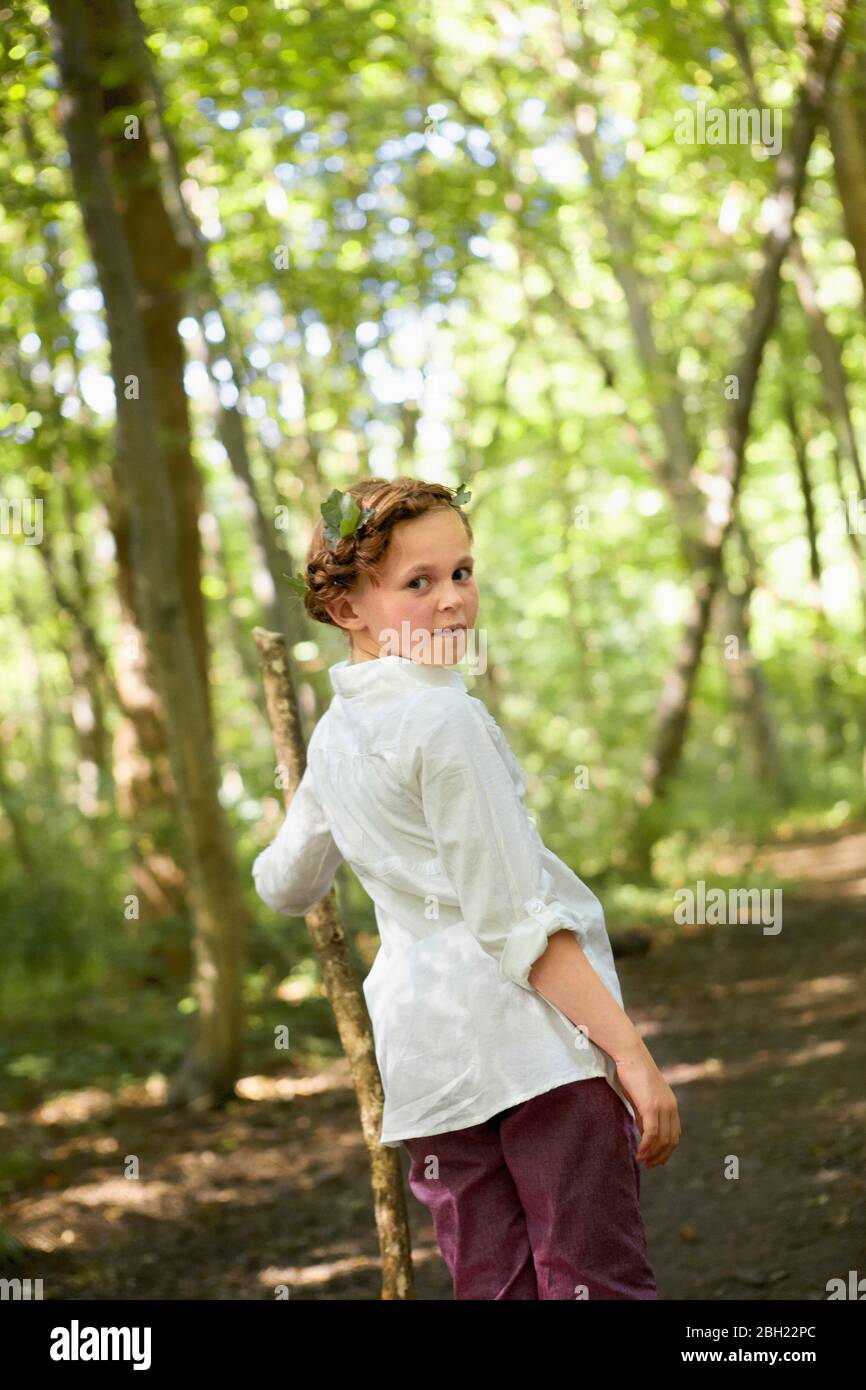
763, 1038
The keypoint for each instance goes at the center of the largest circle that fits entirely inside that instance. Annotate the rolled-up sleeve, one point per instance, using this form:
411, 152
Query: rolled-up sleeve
489, 848
298, 868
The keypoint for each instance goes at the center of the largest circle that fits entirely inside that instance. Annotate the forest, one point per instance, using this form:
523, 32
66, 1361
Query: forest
604, 266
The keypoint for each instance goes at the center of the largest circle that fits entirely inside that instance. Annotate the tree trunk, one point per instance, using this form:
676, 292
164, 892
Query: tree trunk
88, 35
86, 661
834, 386
746, 679
10, 805
846, 121
824, 687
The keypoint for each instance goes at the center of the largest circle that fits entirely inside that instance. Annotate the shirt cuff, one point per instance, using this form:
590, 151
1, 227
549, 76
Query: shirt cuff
262, 878
529, 940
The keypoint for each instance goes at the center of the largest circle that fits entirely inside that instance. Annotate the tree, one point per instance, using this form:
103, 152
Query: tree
93, 54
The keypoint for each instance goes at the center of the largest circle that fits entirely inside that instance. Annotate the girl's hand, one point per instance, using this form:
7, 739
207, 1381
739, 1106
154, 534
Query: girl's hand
655, 1105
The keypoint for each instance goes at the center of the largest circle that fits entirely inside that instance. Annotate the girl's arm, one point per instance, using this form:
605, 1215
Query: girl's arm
565, 977
298, 869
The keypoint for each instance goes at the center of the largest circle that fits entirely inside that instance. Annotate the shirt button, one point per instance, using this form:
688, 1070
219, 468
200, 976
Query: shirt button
536, 905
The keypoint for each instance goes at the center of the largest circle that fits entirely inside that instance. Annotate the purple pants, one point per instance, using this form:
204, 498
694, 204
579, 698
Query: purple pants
541, 1200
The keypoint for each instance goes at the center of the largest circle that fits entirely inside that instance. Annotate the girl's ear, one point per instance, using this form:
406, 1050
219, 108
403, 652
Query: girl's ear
343, 613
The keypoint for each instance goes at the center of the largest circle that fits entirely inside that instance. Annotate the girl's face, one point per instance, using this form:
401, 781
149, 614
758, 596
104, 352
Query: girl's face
425, 584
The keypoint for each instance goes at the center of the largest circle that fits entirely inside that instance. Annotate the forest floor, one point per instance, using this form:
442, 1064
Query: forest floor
762, 1037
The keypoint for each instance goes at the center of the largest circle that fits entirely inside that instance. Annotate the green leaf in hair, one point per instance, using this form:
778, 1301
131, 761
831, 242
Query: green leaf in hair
342, 516
297, 584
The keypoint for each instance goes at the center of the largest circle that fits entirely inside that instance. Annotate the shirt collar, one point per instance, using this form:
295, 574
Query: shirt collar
387, 673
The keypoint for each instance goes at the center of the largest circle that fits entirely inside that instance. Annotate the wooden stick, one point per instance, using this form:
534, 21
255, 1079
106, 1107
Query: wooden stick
343, 991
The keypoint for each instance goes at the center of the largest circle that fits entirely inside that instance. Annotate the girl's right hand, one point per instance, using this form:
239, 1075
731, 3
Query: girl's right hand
654, 1103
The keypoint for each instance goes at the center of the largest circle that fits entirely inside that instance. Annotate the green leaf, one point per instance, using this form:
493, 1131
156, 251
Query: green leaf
349, 514
342, 516
332, 515
296, 583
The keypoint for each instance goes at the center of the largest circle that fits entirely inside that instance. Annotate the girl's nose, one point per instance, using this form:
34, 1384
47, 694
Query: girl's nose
450, 599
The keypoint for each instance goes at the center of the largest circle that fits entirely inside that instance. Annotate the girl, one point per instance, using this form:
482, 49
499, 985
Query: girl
508, 1065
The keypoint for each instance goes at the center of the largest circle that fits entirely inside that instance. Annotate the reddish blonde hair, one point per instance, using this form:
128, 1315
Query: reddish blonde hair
331, 573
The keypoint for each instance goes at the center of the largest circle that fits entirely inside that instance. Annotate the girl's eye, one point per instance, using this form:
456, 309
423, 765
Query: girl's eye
463, 569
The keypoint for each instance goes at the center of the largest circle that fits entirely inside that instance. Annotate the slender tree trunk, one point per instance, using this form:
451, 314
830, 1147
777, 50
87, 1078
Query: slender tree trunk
86, 661
95, 676
846, 121
87, 36
834, 385
10, 805
746, 679
41, 726
238, 626
834, 379
824, 691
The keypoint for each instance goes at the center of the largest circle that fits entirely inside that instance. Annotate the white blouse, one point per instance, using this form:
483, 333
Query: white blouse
410, 779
